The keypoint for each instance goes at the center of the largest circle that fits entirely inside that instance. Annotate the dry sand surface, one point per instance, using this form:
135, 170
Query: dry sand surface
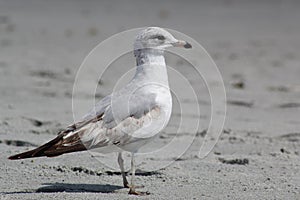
256, 46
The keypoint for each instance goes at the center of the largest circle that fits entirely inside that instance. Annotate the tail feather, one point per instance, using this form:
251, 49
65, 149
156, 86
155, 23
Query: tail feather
27, 154
52, 148
67, 141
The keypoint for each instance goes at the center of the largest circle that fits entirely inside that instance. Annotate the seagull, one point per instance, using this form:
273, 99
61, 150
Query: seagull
128, 118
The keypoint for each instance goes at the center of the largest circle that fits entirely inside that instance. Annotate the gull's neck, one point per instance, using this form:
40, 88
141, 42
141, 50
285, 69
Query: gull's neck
151, 65
149, 56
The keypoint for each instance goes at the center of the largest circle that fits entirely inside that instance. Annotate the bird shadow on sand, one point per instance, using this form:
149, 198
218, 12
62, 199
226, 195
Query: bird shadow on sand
73, 188
67, 187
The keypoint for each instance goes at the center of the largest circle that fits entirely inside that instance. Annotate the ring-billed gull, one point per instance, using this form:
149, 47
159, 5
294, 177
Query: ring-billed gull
129, 117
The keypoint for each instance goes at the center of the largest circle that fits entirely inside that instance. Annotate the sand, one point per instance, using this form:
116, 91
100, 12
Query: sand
256, 47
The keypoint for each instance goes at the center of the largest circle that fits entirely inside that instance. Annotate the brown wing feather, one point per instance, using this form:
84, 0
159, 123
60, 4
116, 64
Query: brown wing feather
53, 148
59, 145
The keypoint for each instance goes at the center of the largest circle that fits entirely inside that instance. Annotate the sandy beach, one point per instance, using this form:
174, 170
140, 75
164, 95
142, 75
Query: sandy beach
255, 45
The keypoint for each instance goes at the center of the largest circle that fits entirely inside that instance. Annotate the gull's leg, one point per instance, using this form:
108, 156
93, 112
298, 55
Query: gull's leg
121, 164
132, 185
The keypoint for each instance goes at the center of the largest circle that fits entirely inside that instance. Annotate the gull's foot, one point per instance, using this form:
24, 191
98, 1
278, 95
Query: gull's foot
133, 186
134, 192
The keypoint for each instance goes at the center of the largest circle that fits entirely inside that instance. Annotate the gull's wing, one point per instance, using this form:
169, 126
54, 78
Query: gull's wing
112, 121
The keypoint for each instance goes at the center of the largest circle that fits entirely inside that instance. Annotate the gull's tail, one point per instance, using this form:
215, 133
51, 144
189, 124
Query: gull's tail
55, 147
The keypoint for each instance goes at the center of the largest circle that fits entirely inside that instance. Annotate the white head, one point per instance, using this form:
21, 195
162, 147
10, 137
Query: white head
157, 38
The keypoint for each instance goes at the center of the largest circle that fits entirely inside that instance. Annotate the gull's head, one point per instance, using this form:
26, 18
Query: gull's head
157, 38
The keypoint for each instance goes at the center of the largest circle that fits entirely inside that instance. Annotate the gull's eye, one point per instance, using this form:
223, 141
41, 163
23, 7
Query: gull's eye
159, 37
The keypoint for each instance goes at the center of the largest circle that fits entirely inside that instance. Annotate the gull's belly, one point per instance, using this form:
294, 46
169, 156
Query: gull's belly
153, 122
